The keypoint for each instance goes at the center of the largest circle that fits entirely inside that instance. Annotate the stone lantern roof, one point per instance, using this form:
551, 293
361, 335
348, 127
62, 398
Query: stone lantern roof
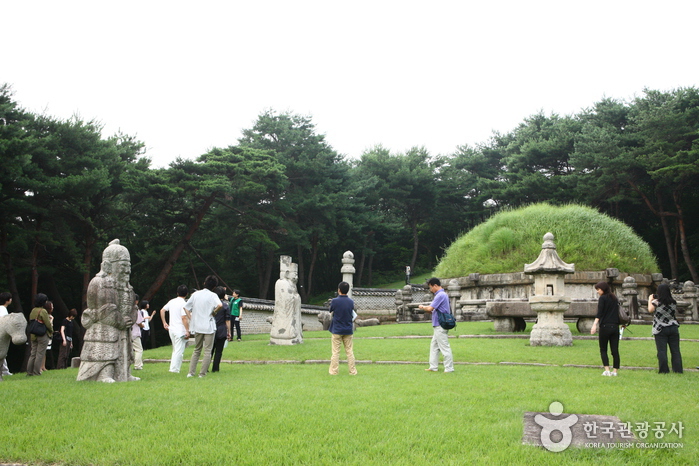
548, 260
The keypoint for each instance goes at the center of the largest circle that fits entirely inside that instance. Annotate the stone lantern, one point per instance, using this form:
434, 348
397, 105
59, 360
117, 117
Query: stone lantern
548, 300
348, 270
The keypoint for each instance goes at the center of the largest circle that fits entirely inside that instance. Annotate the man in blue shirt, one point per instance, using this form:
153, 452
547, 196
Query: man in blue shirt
440, 337
341, 327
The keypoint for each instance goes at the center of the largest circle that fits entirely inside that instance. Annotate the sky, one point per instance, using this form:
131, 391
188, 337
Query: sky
184, 77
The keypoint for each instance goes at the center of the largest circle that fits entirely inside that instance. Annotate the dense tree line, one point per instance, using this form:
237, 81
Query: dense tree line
66, 191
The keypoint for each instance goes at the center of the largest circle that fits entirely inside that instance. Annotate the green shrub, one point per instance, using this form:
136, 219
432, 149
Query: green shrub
508, 240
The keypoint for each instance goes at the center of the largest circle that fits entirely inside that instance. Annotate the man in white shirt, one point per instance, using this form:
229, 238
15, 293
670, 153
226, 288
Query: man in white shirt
178, 328
5, 300
203, 306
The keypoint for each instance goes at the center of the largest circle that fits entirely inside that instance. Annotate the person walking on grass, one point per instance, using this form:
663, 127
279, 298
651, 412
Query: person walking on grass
607, 321
440, 336
203, 306
178, 327
341, 328
666, 329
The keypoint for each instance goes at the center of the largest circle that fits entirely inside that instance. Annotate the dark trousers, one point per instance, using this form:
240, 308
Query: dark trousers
63, 355
669, 336
217, 352
609, 335
236, 324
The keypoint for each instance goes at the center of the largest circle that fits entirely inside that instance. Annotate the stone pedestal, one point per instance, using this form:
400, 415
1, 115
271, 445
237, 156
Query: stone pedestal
550, 330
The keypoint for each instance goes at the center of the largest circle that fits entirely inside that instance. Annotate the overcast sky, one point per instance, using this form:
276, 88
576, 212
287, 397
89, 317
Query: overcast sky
188, 76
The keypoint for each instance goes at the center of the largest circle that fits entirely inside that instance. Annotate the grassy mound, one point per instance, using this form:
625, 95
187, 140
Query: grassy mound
512, 238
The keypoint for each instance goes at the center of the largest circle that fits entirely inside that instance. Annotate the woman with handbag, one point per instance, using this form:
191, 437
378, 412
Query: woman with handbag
666, 329
607, 321
39, 342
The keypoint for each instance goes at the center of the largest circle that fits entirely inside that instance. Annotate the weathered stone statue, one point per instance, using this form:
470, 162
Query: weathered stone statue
286, 323
12, 327
107, 353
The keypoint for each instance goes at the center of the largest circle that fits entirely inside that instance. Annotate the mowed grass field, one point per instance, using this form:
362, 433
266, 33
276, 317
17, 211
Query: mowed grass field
280, 406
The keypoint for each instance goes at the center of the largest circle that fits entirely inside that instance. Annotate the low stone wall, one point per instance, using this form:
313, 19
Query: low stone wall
374, 301
472, 296
257, 311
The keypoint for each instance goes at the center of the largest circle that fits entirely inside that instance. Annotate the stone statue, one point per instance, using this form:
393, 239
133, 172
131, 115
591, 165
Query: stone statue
12, 327
107, 352
286, 323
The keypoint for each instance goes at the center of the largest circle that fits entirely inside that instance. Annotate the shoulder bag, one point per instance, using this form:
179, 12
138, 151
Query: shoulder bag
37, 327
446, 320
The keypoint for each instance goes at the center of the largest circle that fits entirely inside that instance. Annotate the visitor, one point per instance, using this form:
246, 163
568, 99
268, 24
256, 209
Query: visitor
39, 344
666, 329
50, 349
5, 300
607, 322
203, 306
178, 327
342, 328
66, 339
236, 305
145, 330
223, 328
407, 275
136, 339
440, 336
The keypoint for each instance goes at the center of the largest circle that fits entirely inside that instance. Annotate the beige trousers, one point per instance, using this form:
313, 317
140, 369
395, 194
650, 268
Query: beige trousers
345, 340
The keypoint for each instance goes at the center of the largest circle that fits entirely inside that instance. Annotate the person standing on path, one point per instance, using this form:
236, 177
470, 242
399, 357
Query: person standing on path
440, 336
203, 306
341, 328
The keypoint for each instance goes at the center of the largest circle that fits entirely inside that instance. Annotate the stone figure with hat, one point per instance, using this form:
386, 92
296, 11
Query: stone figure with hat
107, 353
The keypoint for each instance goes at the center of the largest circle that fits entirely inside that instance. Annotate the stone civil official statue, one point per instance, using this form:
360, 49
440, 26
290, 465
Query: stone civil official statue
107, 353
286, 323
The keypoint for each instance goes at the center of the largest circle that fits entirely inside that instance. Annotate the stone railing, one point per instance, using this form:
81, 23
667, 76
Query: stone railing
374, 301
257, 311
471, 297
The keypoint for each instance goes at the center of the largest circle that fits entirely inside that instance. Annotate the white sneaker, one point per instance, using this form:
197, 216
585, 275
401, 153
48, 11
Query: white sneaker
613, 374
606, 373
189, 375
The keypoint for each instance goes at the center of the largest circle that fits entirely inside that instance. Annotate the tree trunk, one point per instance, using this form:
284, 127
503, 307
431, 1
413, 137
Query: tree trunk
10, 272
683, 241
312, 266
668, 241
87, 263
416, 243
301, 278
170, 262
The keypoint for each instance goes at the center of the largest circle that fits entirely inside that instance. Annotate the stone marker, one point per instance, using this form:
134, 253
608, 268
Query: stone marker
557, 431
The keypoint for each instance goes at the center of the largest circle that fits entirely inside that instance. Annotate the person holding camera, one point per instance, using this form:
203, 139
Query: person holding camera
666, 329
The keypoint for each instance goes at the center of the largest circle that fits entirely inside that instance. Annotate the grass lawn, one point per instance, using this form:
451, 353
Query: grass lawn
388, 414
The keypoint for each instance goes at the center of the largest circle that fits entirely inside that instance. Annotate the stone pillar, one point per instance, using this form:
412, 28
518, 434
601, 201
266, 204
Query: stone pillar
454, 293
548, 300
689, 294
348, 270
629, 289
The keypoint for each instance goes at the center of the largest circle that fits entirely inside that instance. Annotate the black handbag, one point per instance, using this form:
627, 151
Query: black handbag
37, 327
446, 320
